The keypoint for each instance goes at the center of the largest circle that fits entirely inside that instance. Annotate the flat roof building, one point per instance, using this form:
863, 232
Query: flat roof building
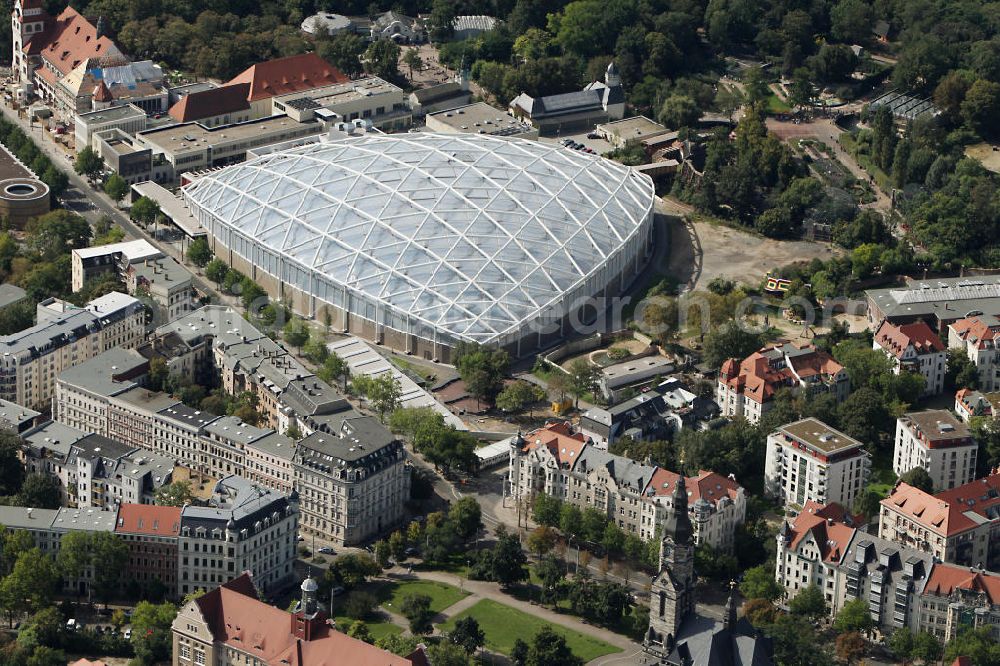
128, 118
479, 118
938, 301
939, 442
370, 99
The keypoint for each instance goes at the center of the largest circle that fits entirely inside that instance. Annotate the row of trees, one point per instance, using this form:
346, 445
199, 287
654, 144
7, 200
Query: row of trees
24, 148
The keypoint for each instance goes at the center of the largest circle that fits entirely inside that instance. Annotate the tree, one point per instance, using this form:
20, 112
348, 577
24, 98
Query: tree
11, 470
417, 609
296, 333
961, 371
316, 350
546, 510
360, 631
381, 550
359, 604
382, 59
110, 557
199, 253
335, 368
216, 271
508, 561
977, 644
467, 634
398, 644
88, 163
730, 340
40, 491
582, 379
851, 21
927, 648
532, 44
679, 111
55, 234
250, 293
353, 569
919, 478
382, 392
75, 554
46, 656
759, 583
397, 546
482, 369
549, 572
850, 646
145, 211
32, 583
343, 51
809, 602
800, 91
466, 514
518, 395
519, 652
116, 187
900, 643
760, 612
570, 520
151, 635
854, 616
447, 654
178, 493
413, 60
541, 540
981, 107
550, 649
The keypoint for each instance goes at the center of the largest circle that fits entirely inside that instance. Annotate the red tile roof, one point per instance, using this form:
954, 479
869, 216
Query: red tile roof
211, 103
758, 380
827, 527
981, 331
557, 438
708, 485
897, 339
946, 578
945, 513
237, 618
69, 40
288, 75
102, 94
149, 519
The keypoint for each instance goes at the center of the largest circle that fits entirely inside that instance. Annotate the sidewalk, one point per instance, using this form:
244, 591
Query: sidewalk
484, 590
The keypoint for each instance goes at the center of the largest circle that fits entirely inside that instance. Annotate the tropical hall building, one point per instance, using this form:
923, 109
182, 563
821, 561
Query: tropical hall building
421, 241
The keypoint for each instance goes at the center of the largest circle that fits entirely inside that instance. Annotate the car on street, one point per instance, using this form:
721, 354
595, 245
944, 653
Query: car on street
326, 550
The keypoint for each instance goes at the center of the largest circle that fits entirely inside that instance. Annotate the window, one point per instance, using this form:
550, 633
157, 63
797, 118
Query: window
199, 657
185, 652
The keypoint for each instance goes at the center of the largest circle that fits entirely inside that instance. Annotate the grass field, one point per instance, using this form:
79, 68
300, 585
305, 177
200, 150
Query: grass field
503, 625
775, 105
377, 626
442, 595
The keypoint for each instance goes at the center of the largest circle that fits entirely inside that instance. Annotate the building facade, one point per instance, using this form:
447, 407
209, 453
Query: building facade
243, 528
914, 348
151, 534
62, 338
940, 443
809, 461
977, 337
747, 388
561, 463
960, 526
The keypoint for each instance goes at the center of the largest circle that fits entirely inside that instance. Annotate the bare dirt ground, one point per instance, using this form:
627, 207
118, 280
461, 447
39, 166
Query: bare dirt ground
432, 73
737, 255
987, 155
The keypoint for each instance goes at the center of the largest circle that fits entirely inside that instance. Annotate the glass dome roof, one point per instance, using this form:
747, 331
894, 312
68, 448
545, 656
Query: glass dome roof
470, 234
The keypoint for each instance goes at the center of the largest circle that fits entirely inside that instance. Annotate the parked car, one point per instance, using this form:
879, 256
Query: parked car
127, 634
71, 624
326, 550
411, 551
593, 135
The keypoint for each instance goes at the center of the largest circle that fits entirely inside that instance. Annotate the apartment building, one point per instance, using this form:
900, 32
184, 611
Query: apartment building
809, 461
960, 526
65, 336
937, 441
914, 348
151, 534
747, 388
904, 587
203, 632
18, 419
977, 337
244, 528
93, 470
352, 480
560, 462
970, 404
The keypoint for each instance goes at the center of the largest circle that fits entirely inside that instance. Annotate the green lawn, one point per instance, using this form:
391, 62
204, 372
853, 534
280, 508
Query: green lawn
378, 627
442, 595
503, 625
775, 105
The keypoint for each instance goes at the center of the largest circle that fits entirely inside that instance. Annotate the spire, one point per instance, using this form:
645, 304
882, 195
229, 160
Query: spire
612, 78
308, 603
678, 523
729, 614
102, 27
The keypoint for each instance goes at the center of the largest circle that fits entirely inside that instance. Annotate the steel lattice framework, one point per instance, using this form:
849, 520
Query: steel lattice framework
471, 235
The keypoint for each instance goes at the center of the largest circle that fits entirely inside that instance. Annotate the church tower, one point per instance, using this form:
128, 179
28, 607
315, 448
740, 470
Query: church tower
672, 591
27, 20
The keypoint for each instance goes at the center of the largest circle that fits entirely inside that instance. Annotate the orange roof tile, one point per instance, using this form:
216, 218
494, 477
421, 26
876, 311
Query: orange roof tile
708, 485
102, 94
897, 339
945, 513
557, 438
946, 578
288, 75
149, 519
237, 618
981, 331
69, 40
758, 380
210, 103
826, 525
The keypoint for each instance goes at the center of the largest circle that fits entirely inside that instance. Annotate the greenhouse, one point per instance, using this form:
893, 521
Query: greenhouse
422, 240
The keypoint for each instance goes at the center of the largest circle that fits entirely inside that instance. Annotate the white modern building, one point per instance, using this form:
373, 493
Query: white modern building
419, 241
809, 461
914, 348
940, 443
128, 118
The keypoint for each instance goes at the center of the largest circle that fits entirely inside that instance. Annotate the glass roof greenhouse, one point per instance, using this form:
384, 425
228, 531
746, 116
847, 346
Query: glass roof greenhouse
470, 234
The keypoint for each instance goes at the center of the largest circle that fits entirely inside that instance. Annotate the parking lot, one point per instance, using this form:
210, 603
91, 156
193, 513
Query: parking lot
598, 145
